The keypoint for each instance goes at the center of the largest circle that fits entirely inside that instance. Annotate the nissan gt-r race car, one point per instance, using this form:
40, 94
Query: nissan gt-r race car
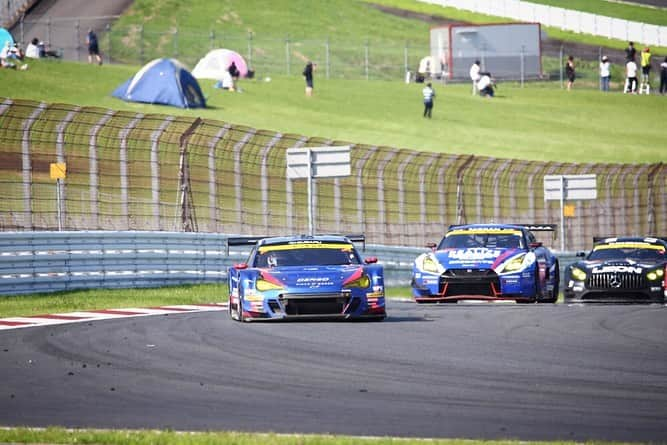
305, 277
628, 269
487, 262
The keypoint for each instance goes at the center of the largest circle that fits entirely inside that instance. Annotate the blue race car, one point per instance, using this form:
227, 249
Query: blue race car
304, 276
487, 262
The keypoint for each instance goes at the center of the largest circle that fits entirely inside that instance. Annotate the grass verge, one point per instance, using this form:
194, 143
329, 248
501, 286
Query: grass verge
81, 300
139, 437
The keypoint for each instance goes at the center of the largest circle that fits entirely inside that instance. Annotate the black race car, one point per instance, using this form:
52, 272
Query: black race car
628, 269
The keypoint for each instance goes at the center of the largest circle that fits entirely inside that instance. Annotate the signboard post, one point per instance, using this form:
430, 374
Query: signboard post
317, 162
568, 187
58, 171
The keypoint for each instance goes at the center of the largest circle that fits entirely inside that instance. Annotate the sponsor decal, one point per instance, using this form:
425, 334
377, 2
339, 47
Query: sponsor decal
473, 254
314, 281
618, 269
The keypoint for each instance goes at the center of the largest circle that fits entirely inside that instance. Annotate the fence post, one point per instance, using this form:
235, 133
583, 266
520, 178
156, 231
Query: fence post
249, 48
188, 217
560, 65
108, 51
60, 157
141, 44
94, 169
176, 42
650, 204
123, 170
49, 37
155, 171
287, 61
366, 57
26, 162
405, 59
214, 209
460, 203
77, 29
523, 48
327, 57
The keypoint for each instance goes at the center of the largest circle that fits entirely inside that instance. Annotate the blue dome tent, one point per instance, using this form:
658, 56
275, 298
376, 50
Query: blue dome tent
165, 82
5, 36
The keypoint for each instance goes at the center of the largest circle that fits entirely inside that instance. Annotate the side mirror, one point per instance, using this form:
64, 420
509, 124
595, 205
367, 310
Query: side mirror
240, 266
371, 260
431, 246
535, 245
581, 254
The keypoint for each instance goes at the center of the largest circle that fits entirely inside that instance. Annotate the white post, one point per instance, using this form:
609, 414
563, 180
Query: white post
60, 216
310, 191
562, 213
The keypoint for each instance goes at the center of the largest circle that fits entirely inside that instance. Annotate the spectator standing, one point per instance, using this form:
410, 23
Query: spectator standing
663, 77
630, 52
631, 77
32, 50
646, 65
474, 76
570, 72
429, 95
605, 74
93, 47
486, 85
308, 76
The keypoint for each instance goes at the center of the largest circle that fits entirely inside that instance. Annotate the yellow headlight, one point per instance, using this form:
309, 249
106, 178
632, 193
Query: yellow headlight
578, 274
361, 282
660, 273
429, 265
515, 264
263, 285
652, 276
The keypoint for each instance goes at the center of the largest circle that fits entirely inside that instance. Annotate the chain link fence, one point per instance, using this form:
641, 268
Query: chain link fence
130, 171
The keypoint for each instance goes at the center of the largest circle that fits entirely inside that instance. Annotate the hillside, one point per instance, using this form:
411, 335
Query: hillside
538, 122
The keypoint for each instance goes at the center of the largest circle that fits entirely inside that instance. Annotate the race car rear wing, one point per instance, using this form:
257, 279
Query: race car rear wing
252, 240
531, 227
597, 239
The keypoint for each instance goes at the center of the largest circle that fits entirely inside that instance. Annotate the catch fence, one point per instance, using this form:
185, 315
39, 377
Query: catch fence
132, 171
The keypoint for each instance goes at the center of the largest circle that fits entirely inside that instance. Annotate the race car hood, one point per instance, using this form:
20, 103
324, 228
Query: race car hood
616, 265
313, 277
474, 257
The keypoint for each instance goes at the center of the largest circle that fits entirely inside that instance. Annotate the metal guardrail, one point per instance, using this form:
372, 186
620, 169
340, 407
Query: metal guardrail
32, 262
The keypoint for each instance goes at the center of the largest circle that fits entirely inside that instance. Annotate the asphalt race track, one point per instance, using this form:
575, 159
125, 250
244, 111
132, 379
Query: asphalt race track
476, 371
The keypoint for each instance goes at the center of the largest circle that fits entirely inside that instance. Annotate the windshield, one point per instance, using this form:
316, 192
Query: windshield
317, 254
634, 251
510, 239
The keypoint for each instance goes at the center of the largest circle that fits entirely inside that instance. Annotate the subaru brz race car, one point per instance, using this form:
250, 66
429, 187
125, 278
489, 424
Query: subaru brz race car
305, 277
487, 262
628, 269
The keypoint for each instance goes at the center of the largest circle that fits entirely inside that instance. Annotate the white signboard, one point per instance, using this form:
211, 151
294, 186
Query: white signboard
570, 187
324, 162
317, 162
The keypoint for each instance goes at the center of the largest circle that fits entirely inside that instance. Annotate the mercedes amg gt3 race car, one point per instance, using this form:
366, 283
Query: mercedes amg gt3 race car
628, 269
487, 262
305, 277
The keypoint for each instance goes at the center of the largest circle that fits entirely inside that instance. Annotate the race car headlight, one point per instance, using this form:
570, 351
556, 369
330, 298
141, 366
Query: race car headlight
655, 274
578, 274
514, 264
427, 263
263, 285
362, 282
